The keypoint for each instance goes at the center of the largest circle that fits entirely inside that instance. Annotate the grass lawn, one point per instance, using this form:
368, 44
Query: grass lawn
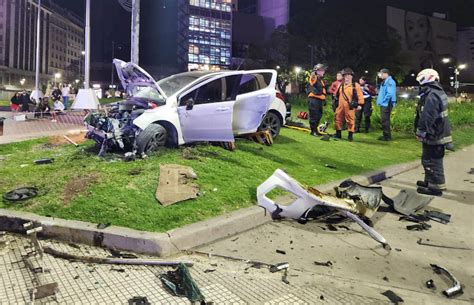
4, 103
81, 186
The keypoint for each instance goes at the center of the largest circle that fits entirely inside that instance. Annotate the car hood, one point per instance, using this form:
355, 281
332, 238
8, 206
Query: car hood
132, 76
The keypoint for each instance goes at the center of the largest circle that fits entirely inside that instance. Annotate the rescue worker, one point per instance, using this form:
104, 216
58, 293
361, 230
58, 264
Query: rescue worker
433, 130
333, 89
349, 99
317, 98
386, 99
368, 91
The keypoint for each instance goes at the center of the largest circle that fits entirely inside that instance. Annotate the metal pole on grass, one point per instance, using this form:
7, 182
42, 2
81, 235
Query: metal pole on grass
135, 31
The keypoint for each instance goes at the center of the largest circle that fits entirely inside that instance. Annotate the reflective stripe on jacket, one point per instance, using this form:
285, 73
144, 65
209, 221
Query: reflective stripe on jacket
317, 88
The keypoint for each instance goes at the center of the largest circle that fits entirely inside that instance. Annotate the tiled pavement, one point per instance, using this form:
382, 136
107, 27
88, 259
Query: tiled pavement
220, 281
39, 127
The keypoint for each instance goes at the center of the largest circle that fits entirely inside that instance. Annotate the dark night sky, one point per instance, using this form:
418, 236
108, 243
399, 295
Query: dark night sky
460, 10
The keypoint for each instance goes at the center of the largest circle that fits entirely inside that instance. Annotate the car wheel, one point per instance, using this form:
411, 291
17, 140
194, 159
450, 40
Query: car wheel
272, 123
151, 139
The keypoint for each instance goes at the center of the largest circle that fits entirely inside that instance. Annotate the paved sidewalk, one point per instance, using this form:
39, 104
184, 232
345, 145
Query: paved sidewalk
14, 131
359, 264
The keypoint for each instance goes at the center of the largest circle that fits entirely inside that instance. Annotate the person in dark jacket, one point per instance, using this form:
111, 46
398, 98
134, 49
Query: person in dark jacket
15, 102
368, 91
317, 98
25, 101
56, 94
433, 130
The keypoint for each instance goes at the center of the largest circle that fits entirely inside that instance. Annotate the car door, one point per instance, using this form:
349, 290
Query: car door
255, 94
210, 117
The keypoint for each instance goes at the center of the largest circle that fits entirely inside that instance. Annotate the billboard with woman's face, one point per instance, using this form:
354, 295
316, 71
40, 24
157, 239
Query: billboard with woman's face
425, 40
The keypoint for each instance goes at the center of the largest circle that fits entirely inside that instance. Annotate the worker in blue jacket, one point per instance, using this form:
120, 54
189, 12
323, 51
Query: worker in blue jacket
386, 100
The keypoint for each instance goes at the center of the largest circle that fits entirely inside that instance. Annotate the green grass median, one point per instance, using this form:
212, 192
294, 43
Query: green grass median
81, 186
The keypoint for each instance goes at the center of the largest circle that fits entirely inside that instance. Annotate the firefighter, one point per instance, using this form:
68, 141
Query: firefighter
349, 98
317, 97
433, 131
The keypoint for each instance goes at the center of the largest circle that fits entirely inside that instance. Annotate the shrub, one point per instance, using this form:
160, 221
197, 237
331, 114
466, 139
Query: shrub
403, 115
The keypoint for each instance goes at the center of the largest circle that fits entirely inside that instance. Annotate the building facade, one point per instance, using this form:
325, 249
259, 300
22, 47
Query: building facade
209, 34
465, 54
61, 42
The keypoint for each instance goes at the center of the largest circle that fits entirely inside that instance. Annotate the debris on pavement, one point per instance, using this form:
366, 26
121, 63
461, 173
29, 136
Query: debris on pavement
43, 161
181, 283
175, 184
408, 202
393, 297
385, 278
20, 194
209, 270
325, 264
279, 267
120, 254
280, 251
138, 301
456, 288
427, 243
312, 204
107, 260
438, 216
471, 171
430, 284
419, 227
102, 226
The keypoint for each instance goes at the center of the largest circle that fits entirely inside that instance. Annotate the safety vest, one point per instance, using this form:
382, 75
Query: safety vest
312, 83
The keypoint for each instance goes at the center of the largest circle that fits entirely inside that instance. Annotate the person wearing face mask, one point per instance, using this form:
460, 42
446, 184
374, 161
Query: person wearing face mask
317, 97
432, 129
349, 99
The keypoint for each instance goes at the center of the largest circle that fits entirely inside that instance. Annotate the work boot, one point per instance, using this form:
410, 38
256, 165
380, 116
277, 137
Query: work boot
367, 128
429, 191
350, 137
422, 183
338, 134
384, 138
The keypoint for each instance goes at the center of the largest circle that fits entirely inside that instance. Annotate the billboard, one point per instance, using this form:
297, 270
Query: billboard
425, 40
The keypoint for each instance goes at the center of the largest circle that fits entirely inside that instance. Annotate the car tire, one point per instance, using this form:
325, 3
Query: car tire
272, 122
151, 139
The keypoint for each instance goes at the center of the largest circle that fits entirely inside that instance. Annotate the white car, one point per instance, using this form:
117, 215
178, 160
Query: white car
187, 107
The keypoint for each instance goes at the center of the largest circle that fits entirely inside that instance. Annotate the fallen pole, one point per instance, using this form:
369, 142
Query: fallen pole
116, 261
71, 141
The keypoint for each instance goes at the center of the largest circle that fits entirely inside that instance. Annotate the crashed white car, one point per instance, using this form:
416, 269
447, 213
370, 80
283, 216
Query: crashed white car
187, 107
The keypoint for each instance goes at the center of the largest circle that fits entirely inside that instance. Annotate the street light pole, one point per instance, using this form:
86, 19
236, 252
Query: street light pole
113, 57
37, 76
135, 38
87, 45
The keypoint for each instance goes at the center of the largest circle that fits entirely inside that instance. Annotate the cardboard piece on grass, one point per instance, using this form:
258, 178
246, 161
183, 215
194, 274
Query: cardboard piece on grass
175, 184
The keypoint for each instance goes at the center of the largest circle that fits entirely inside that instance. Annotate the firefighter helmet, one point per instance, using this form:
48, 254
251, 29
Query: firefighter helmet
427, 76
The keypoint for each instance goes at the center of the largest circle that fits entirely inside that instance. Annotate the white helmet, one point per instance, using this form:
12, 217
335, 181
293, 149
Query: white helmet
427, 76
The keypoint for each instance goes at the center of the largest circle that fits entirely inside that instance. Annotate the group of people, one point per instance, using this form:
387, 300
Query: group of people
21, 102
352, 100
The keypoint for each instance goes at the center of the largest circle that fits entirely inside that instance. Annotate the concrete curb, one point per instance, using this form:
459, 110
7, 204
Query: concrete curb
173, 241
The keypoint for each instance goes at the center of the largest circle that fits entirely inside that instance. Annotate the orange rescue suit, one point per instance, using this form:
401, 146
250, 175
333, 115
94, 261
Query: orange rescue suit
318, 91
343, 111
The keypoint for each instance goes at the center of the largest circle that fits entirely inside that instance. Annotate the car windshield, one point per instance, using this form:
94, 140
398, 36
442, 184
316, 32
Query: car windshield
149, 93
174, 83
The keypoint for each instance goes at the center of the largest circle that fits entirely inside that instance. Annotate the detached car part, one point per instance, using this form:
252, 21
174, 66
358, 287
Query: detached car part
309, 199
456, 289
20, 194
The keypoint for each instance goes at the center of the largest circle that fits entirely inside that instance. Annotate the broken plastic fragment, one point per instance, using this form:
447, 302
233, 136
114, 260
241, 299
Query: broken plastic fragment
308, 199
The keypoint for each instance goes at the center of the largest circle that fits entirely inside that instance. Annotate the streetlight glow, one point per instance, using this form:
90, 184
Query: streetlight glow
462, 66
57, 75
83, 53
446, 60
278, 67
366, 72
297, 70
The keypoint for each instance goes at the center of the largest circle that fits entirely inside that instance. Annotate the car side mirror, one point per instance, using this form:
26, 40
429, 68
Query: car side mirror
189, 104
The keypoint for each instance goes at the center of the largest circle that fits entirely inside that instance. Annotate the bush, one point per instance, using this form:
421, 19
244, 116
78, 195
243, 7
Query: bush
403, 115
